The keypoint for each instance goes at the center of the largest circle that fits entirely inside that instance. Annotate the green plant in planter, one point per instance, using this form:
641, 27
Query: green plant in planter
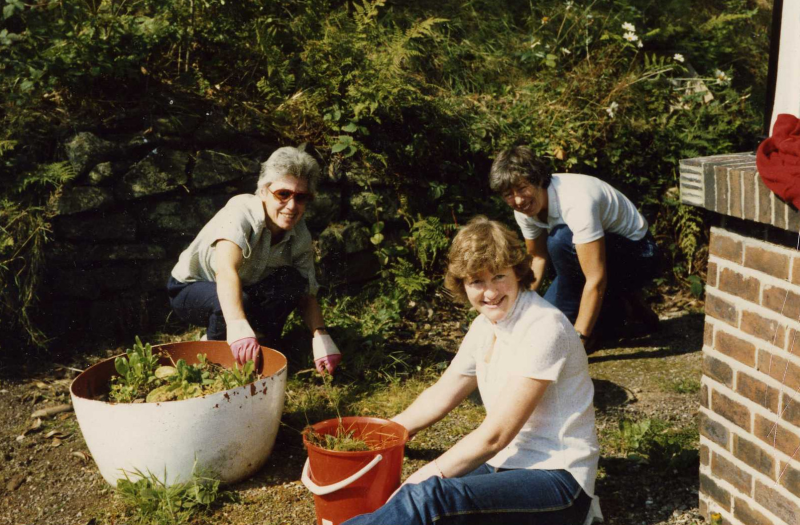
136, 371
186, 381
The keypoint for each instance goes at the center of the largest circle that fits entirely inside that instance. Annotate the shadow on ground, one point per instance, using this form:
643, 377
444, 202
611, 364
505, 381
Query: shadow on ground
675, 336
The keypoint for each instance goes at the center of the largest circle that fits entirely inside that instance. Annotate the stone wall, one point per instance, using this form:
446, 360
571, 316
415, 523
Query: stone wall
138, 201
750, 393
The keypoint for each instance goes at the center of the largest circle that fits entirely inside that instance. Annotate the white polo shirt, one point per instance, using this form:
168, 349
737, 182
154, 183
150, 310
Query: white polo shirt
589, 207
536, 340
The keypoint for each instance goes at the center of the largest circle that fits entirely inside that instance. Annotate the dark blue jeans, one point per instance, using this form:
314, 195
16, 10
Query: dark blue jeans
630, 265
267, 304
487, 497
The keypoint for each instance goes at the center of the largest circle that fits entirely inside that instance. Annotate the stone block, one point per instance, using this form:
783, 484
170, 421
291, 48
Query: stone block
750, 197
213, 167
711, 275
734, 283
82, 198
778, 368
754, 455
717, 370
764, 198
737, 348
713, 430
771, 262
782, 301
724, 468
781, 212
86, 149
177, 217
736, 198
790, 478
721, 309
75, 253
725, 246
759, 326
162, 170
96, 227
709, 487
778, 504
743, 512
757, 391
722, 189
708, 334
775, 435
735, 412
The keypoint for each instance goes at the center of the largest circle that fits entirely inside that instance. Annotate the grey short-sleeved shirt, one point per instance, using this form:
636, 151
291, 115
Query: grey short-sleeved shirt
243, 222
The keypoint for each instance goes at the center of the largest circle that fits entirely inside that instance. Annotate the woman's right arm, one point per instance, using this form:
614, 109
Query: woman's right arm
538, 249
228, 258
436, 401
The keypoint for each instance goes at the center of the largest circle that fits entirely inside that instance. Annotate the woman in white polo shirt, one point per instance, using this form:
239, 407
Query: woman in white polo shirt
253, 263
533, 460
596, 239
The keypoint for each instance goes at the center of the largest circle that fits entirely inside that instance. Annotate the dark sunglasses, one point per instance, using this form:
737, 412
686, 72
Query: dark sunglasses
300, 197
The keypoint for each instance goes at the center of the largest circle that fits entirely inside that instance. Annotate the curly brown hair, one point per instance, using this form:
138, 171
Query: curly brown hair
485, 245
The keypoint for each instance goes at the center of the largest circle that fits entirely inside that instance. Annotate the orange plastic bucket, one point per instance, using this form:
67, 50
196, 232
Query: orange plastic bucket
347, 484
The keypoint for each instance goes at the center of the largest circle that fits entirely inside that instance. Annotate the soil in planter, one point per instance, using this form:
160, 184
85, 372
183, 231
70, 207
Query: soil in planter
142, 379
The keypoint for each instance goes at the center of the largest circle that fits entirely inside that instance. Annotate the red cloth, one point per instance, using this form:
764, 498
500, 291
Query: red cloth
778, 159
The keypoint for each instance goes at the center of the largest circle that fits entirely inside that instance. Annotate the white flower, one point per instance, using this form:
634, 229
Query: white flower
640, 45
566, 51
535, 43
721, 76
678, 58
627, 26
569, 5
612, 109
630, 37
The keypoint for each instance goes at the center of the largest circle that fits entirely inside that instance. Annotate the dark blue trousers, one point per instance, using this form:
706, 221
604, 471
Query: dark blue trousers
487, 496
267, 304
630, 265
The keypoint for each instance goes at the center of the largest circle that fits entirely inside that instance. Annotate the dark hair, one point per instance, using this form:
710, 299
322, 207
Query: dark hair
518, 164
485, 245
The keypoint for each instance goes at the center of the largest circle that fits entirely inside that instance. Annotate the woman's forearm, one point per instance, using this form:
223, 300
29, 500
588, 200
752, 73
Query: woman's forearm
229, 291
591, 302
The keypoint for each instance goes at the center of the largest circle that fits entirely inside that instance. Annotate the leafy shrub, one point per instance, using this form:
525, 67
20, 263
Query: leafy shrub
414, 95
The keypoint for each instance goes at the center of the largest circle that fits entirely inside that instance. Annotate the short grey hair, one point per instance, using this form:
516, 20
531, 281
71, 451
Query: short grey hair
292, 162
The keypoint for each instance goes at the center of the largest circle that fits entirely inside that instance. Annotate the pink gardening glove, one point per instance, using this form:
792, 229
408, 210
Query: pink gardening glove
428, 471
328, 363
245, 350
243, 342
326, 356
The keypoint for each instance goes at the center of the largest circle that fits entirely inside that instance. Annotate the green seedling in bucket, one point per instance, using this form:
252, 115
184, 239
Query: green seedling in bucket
142, 379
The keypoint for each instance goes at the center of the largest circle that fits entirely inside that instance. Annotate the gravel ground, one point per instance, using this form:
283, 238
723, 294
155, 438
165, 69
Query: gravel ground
47, 475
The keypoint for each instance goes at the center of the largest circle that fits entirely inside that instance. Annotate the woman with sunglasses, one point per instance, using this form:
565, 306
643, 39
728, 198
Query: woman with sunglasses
253, 264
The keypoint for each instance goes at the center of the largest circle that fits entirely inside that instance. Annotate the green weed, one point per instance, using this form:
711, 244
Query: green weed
151, 502
656, 443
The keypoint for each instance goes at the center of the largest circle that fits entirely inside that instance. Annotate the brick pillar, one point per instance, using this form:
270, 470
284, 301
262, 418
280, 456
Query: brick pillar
750, 394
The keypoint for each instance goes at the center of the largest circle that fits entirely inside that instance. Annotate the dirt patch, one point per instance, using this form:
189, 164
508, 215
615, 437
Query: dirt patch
43, 481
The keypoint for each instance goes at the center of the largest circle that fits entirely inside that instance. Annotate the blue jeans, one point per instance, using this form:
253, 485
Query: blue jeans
630, 265
267, 304
487, 496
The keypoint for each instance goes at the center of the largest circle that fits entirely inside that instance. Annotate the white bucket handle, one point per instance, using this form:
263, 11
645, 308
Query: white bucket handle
319, 490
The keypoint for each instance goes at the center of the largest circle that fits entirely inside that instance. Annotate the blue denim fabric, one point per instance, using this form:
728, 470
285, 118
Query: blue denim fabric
487, 497
630, 266
267, 304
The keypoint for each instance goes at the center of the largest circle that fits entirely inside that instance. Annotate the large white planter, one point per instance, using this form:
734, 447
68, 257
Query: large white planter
229, 433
